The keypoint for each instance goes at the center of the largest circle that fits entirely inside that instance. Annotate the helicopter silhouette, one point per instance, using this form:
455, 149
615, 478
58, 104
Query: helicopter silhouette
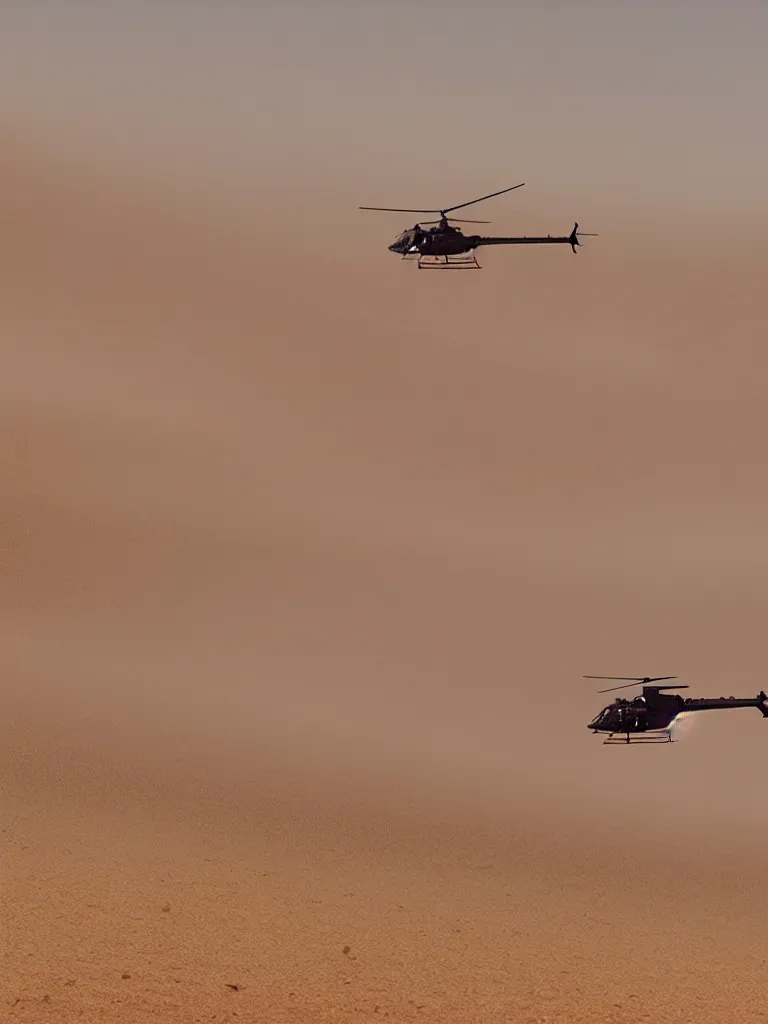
648, 719
444, 247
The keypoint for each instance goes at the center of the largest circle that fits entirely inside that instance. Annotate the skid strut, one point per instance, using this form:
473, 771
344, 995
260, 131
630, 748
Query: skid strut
466, 261
629, 738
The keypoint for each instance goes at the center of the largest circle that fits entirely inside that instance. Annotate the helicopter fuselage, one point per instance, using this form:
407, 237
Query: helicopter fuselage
656, 711
439, 241
446, 240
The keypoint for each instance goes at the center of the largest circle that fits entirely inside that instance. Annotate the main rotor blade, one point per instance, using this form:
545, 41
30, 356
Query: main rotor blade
626, 686
455, 220
480, 200
637, 679
448, 209
396, 209
629, 686
634, 681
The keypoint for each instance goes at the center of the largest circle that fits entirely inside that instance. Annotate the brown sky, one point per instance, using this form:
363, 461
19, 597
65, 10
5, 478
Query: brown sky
295, 534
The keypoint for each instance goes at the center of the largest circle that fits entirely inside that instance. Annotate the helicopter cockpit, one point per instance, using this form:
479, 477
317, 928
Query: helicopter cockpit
622, 714
408, 241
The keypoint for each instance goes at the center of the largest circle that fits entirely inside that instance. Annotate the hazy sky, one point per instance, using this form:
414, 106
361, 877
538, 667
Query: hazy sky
298, 541
623, 106
445, 499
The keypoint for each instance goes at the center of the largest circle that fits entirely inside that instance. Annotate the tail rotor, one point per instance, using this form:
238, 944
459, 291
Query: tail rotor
575, 236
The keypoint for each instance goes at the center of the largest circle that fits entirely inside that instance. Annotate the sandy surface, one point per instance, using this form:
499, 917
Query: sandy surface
301, 567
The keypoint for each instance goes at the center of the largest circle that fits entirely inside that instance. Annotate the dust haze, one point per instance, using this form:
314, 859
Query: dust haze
305, 553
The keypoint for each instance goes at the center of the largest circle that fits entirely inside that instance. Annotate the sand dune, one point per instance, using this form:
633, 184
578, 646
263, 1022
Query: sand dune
301, 567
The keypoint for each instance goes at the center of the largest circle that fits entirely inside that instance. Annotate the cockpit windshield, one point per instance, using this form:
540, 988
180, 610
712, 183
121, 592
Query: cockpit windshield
404, 242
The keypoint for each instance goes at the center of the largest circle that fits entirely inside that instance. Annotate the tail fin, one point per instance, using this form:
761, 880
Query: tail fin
576, 236
763, 705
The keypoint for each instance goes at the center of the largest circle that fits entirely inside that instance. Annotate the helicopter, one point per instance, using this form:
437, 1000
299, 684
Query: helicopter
444, 247
648, 719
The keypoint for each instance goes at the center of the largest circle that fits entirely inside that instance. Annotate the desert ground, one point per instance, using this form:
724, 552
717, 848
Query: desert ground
304, 555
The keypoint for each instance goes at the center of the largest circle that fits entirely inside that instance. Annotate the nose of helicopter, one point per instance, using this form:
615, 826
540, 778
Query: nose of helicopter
404, 241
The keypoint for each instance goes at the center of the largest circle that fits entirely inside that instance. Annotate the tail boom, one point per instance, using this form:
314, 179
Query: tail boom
722, 703
572, 239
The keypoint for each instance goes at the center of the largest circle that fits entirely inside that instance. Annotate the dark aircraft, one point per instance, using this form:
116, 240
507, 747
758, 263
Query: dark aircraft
648, 719
445, 247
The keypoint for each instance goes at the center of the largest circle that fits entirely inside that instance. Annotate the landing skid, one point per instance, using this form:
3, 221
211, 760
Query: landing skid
466, 261
662, 736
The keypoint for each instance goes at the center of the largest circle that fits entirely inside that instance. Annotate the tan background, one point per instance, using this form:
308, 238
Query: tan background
304, 552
